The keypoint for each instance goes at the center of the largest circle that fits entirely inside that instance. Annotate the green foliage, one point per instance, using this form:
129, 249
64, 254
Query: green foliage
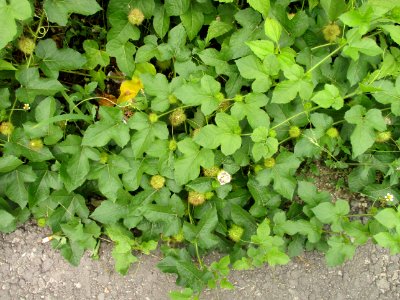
87, 106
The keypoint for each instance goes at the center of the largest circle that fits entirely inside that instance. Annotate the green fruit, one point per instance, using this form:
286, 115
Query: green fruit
41, 222
269, 162
36, 144
332, 132
26, 45
272, 133
235, 233
331, 32
179, 237
177, 117
6, 128
294, 131
172, 99
196, 198
238, 98
383, 136
172, 145
220, 97
211, 172
209, 195
257, 168
153, 117
157, 182
136, 17
103, 158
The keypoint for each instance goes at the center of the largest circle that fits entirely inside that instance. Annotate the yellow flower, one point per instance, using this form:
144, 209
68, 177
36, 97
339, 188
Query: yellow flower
129, 89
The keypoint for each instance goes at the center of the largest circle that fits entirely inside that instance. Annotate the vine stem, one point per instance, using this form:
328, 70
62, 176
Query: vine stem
196, 246
295, 116
325, 58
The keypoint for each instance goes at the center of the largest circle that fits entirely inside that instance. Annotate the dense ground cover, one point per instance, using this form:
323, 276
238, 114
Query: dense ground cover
188, 121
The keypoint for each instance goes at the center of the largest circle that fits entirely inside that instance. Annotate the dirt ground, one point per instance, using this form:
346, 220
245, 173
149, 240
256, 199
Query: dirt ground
32, 270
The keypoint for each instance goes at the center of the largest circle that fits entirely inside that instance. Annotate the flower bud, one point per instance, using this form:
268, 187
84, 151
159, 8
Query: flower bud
36, 144
294, 131
269, 162
332, 133
153, 117
383, 136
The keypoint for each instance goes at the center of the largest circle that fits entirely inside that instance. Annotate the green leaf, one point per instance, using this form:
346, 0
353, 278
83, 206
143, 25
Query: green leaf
388, 217
65, 206
329, 97
109, 212
192, 20
363, 136
226, 133
216, 29
262, 6
53, 60
161, 21
251, 68
262, 48
390, 241
94, 56
7, 221
122, 252
273, 29
333, 8
59, 12
339, 251
287, 90
108, 175
75, 168
202, 232
329, 213
32, 85
9, 163
358, 45
281, 174
176, 7
251, 109
187, 167
9, 12
146, 133
14, 184
394, 32
110, 127
203, 93
123, 52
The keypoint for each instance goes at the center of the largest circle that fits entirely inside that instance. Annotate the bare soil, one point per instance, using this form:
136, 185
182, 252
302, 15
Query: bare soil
32, 270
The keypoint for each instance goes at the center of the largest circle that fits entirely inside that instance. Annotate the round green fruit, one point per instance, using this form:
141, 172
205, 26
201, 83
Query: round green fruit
235, 233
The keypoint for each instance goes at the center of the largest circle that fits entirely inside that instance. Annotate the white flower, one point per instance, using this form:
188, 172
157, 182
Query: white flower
224, 177
389, 197
26, 106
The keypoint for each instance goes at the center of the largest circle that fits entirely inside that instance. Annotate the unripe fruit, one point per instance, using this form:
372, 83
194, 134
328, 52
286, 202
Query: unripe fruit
269, 162
172, 99
294, 131
36, 144
179, 237
172, 145
238, 98
136, 17
209, 195
224, 105
220, 97
41, 222
196, 198
6, 128
177, 117
157, 182
103, 158
331, 32
257, 168
332, 132
26, 45
235, 233
153, 117
383, 137
211, 172
272, 133
307, 106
